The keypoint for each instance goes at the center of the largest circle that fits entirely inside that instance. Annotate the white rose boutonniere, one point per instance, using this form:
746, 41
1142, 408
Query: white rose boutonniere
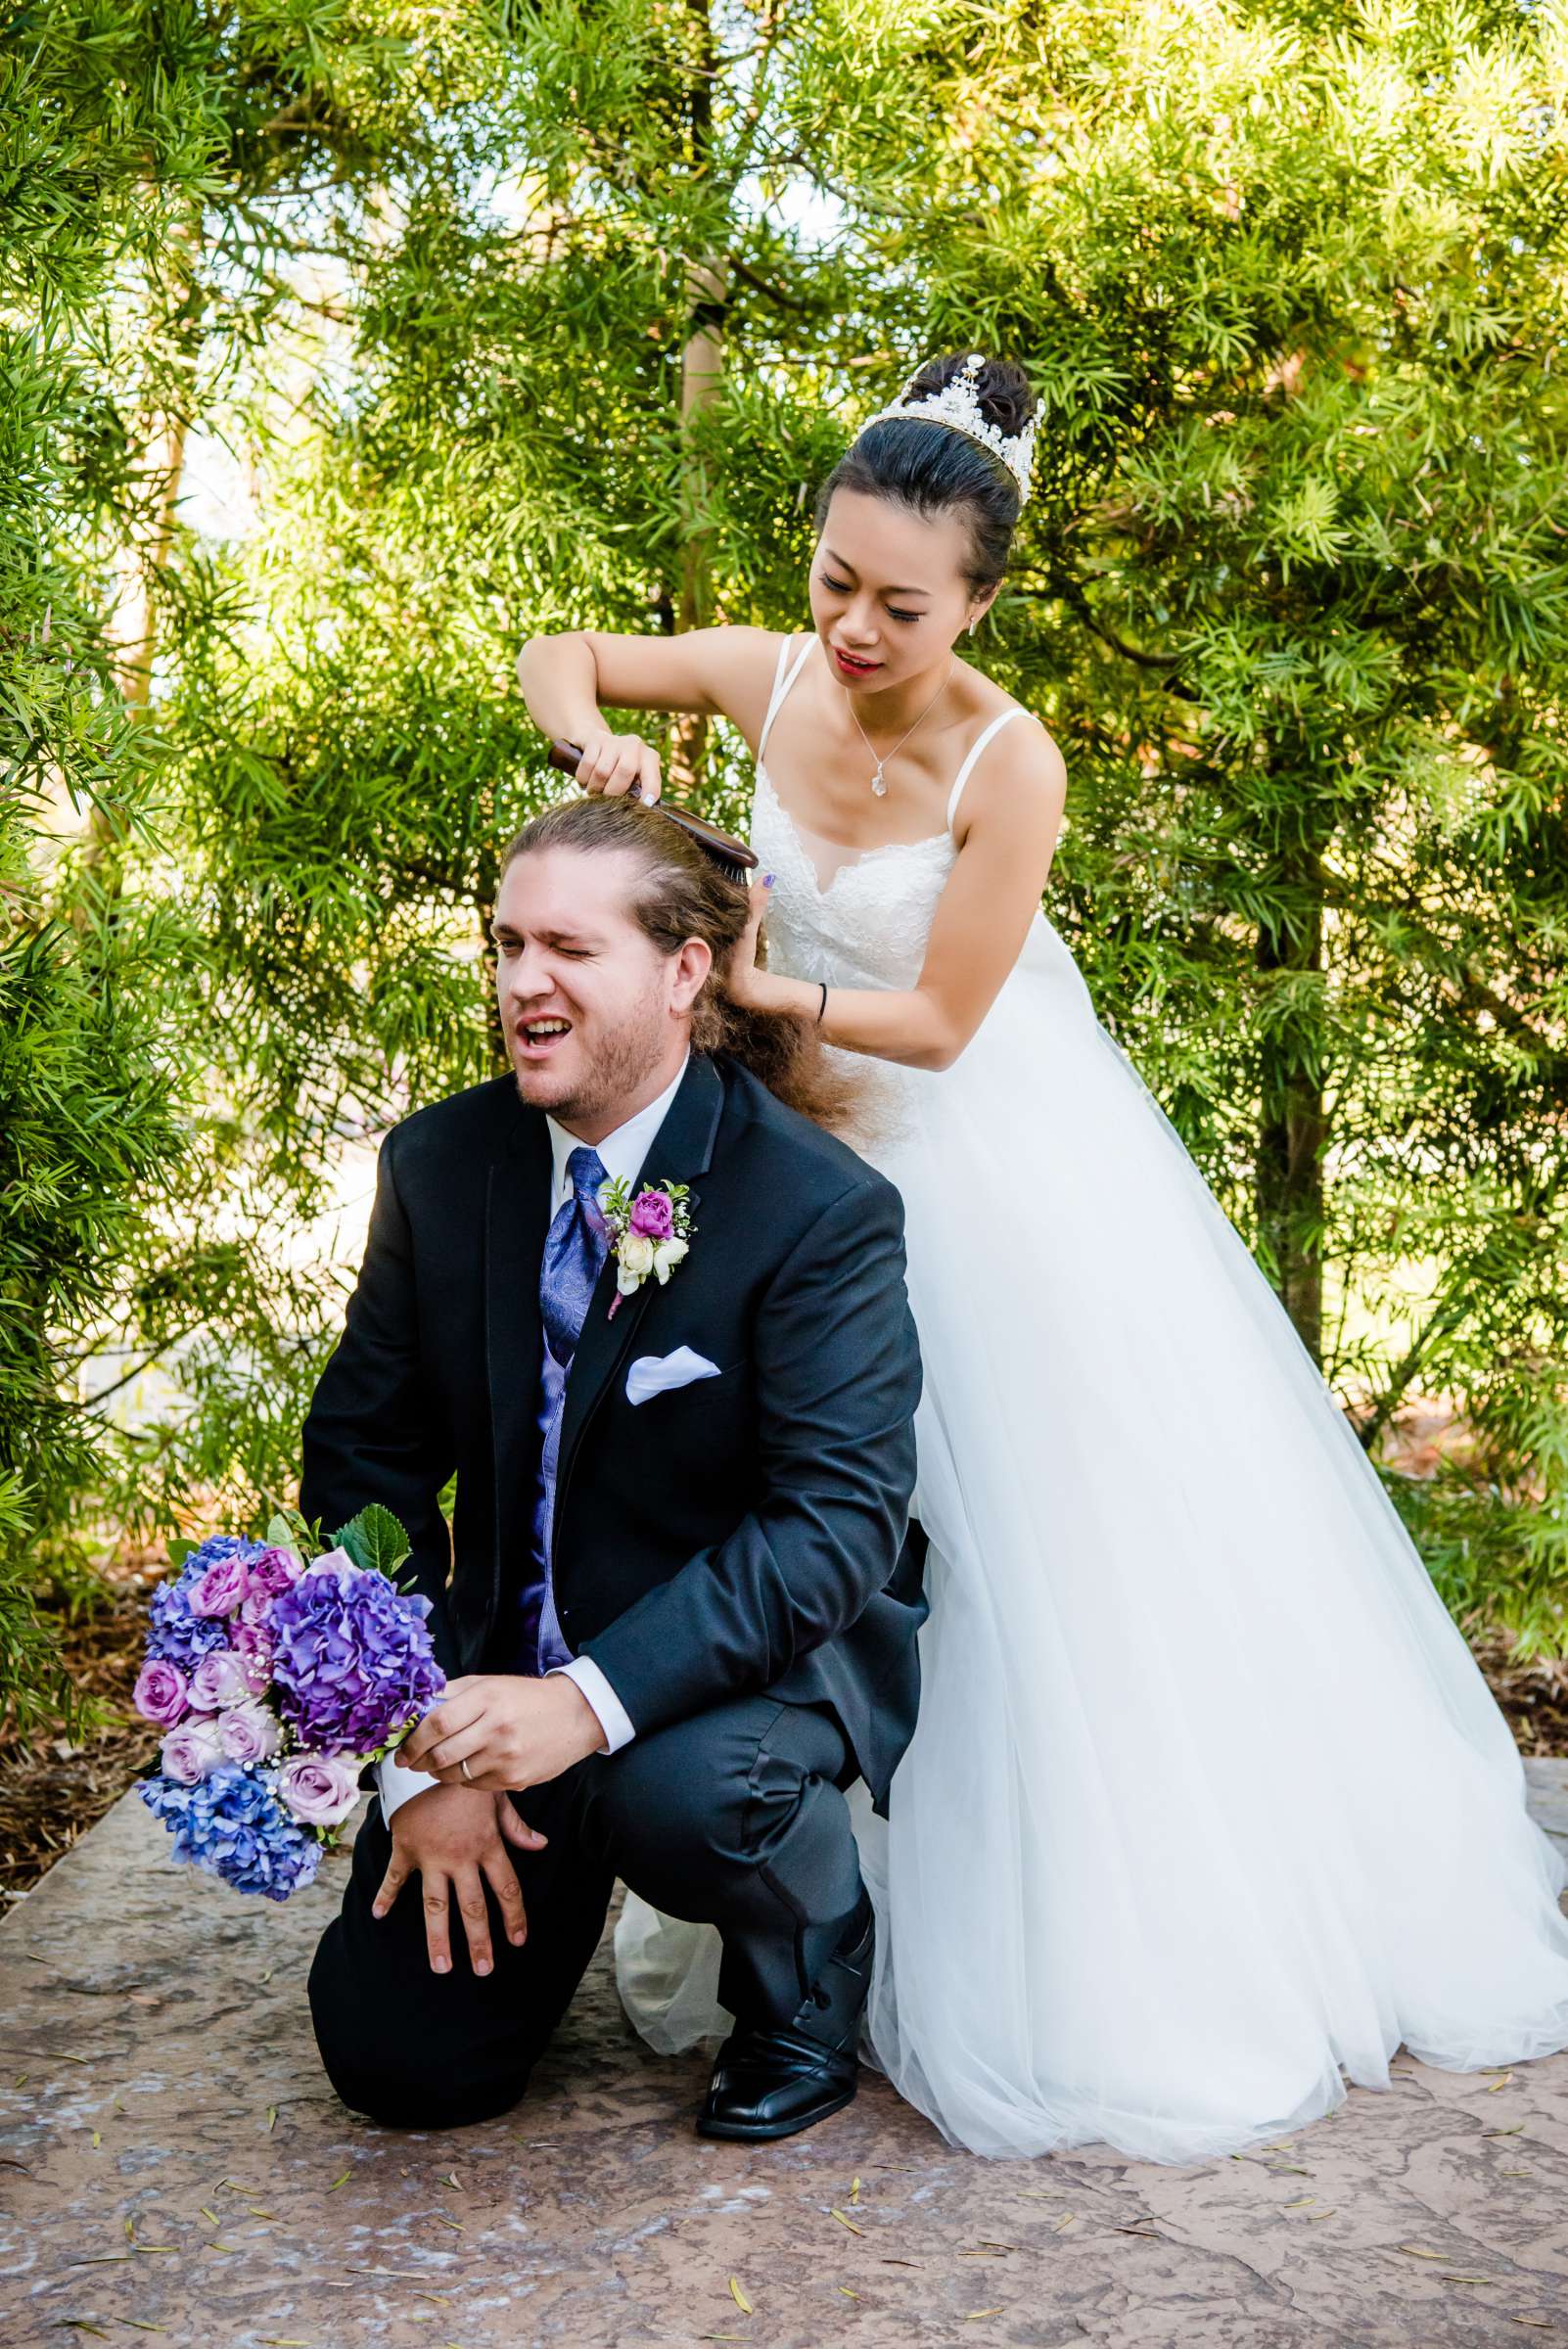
650, 1233
666, 1256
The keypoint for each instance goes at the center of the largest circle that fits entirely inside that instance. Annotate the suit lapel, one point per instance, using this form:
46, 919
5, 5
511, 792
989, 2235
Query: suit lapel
681, 1152
516, 1218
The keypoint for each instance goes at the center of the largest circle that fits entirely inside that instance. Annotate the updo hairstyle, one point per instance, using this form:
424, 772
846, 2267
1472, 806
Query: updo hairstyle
929, 469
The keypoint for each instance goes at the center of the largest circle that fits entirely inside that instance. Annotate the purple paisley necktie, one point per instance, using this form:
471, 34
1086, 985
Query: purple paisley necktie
575, 1249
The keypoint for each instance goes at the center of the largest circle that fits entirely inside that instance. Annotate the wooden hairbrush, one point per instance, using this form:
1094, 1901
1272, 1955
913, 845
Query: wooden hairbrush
733, 858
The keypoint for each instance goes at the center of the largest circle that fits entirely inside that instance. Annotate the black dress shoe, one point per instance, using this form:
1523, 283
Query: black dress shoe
770, 2083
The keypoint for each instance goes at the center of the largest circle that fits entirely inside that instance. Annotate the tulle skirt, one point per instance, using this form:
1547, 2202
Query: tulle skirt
1208, 1807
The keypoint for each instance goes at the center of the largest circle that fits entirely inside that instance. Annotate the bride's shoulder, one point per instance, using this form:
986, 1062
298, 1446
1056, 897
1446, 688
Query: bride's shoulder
742, 663
740, 650
1017, 777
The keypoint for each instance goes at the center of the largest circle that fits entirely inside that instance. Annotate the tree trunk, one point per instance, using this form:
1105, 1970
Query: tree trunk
494, 1029
142, 560
144, 557
1293, 1130
702, 370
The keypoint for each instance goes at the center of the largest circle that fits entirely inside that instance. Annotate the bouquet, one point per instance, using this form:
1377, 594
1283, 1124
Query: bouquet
276, 1681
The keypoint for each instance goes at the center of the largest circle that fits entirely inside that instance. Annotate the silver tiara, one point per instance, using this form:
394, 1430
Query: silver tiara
957, 406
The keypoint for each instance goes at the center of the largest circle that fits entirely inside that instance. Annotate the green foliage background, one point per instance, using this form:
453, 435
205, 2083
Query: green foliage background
515, 318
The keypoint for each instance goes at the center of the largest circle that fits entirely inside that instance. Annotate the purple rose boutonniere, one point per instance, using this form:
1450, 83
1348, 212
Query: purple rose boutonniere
649, 1234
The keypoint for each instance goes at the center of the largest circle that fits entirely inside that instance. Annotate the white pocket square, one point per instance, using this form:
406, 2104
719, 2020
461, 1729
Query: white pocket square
657, 1373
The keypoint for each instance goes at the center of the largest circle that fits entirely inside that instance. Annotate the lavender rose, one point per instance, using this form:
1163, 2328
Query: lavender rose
221, 1678
318, 1788
336, 1562
160, 1693
249, 1732
653, 1216
221, 1589
188, 1753
273, 1571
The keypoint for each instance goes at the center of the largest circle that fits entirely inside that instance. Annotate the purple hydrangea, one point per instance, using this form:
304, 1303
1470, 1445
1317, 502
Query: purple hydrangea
175, 1633
233, 1824
353, 1659
217, 1548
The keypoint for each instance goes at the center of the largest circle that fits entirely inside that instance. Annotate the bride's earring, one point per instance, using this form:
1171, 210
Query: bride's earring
974, 624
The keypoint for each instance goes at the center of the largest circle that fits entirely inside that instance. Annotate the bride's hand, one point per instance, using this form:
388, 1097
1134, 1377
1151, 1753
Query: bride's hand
743, 965
613, 765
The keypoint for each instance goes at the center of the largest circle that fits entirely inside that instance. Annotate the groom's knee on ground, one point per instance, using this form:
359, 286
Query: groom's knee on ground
390, 2064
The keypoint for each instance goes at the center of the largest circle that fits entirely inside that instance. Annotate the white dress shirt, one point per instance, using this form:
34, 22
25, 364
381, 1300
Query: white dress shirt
621, 1154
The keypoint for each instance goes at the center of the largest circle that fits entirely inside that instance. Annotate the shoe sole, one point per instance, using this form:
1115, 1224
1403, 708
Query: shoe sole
764, 2133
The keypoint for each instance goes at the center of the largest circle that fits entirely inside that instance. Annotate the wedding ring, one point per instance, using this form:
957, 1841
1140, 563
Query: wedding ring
463, 1766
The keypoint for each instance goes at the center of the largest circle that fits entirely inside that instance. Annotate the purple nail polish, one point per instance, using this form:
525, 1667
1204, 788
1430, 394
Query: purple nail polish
769, 879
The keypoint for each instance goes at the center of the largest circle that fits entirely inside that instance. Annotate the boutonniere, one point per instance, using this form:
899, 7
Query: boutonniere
650, 1233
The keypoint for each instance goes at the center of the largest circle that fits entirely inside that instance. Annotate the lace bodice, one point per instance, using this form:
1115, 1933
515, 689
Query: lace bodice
868, 925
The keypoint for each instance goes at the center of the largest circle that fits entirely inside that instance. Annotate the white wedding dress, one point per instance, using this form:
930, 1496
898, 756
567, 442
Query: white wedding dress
1208, 1806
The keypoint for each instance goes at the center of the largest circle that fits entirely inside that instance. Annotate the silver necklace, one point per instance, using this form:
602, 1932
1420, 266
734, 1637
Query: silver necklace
877, 783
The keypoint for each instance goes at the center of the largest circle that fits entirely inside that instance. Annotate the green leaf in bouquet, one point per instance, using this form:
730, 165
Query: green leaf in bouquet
394, 1741
179, 1551
374, 1540
288, 1530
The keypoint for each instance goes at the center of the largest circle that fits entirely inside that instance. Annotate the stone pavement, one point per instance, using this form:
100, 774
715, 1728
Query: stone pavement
171, 2163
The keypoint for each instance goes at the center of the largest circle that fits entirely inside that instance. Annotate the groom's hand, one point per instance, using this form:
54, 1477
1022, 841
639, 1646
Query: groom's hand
512, 1731
454, 1840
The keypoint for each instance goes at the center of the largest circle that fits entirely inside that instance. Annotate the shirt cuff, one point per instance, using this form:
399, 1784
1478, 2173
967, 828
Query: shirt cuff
395, 1786
614, 1718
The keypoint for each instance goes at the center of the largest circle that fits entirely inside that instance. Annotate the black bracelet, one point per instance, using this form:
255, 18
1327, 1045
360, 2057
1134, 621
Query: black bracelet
822, 1006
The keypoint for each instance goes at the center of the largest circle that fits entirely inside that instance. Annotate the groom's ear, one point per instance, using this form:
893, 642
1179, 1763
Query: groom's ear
689, 968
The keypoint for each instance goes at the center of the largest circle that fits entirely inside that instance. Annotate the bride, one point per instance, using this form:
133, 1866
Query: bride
1208, 1807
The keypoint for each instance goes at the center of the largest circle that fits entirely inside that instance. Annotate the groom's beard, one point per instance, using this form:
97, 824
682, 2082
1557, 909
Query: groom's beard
607, 1071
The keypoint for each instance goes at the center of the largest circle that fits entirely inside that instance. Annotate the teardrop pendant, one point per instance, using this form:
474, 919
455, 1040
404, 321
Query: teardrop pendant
879, 789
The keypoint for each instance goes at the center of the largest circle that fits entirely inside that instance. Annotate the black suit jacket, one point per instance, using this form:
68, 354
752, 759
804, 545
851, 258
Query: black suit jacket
742, 1532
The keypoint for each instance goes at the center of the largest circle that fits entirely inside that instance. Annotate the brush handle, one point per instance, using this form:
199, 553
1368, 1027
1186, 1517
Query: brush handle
567, 756
723, 846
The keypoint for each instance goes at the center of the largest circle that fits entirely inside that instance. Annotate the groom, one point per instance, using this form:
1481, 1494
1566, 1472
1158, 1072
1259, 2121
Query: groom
679, 1603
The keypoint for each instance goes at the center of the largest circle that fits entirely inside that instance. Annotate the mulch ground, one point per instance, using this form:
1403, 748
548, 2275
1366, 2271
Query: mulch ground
1534, 1696
53, 1789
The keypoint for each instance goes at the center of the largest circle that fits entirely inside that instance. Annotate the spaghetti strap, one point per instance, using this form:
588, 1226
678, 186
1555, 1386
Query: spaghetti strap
778, 672
994, 727
781, 686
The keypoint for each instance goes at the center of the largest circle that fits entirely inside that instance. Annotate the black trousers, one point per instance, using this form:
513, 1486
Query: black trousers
735, 1817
